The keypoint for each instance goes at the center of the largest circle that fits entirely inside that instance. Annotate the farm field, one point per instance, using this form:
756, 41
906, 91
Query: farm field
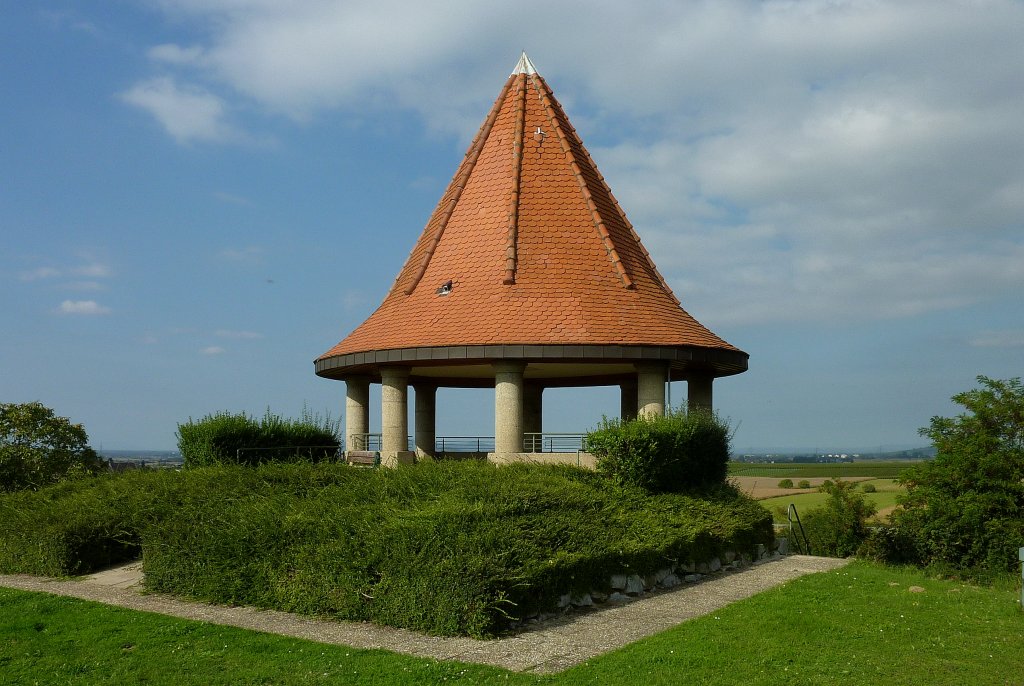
876, 469
884, 498
761, 482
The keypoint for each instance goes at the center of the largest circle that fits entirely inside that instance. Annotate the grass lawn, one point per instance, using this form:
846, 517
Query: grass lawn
860, 625
884, 497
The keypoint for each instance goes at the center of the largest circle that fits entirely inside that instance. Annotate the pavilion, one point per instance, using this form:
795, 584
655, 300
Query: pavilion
527, 276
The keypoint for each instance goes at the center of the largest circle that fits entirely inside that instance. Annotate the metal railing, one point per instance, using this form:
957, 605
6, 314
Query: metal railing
554, 442
364, 442
308, 452
547, 442
464, 444
791, 515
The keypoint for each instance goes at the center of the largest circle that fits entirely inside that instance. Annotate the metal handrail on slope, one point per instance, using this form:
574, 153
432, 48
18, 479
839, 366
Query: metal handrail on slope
791, 513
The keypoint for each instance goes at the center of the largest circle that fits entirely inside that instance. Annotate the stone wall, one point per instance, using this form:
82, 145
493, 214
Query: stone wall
579, 459
628, 586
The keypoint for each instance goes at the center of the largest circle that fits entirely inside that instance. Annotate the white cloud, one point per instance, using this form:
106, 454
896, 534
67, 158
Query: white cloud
231, 198
87, 307
817, 160
189, 113
68, 19
250, 253
355, 300
85, 286
175, 54
89, 270
244, 335
40, 273
212, 350
93, 270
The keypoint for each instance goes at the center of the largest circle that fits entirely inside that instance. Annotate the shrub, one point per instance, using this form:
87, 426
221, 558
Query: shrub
804, 483
838, 528
225, 438
869, 488
786, 483
673, 453
78, 527
38, 448
964, 510
447, 548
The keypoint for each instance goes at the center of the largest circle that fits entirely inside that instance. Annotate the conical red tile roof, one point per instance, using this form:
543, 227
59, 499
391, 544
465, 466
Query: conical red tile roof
536, 248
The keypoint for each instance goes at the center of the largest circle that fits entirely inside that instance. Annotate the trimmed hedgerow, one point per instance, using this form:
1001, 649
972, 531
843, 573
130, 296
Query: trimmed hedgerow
81, 526
447, 548
663, 454
226, 438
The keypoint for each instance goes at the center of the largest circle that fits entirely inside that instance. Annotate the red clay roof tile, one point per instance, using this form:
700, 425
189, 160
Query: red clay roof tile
536, 246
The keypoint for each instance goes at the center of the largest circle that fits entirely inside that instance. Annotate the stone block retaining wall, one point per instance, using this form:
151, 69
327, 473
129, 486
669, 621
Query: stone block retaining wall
627, 586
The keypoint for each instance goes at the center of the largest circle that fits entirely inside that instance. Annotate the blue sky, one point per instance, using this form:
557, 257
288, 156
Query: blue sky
199, 197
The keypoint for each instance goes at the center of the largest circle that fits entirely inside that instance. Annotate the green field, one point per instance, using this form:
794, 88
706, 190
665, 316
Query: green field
887, 469
885, 496
858, 625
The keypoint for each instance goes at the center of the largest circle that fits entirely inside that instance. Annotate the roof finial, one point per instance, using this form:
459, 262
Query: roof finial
524, 66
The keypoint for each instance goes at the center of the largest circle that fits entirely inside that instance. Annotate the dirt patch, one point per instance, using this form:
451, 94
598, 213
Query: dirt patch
761, 487
883, 514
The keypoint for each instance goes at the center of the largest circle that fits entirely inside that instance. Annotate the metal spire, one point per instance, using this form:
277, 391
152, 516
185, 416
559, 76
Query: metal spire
524, 66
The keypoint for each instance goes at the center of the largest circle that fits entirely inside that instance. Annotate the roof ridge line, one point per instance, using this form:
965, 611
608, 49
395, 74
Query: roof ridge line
511, 248
636, 237
458, 185
622, 215
602, 230
625, 219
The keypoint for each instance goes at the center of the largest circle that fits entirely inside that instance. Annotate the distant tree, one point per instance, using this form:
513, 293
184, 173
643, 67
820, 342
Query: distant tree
38, 448
964, 510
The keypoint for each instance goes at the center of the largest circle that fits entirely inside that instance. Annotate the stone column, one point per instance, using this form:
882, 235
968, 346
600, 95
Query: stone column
357, 411
627, 400
533, 413
698, 391
508, 407
426, 410
650, 393
394, 425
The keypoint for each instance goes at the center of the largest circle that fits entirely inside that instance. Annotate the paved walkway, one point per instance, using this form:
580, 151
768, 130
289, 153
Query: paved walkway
552, 646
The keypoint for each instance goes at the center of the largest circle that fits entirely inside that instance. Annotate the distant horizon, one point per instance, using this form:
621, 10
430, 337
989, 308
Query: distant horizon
735, 451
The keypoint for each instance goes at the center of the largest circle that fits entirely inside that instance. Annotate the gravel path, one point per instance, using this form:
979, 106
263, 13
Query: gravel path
552, 646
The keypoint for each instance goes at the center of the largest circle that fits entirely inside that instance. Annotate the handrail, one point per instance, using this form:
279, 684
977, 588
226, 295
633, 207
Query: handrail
790, 514
333, 450
554, 442
464, 444
365, 441
533, 442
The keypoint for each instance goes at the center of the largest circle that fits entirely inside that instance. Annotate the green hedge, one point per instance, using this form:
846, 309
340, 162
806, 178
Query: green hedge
226, 438
80, 526
447, 548
673, 453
